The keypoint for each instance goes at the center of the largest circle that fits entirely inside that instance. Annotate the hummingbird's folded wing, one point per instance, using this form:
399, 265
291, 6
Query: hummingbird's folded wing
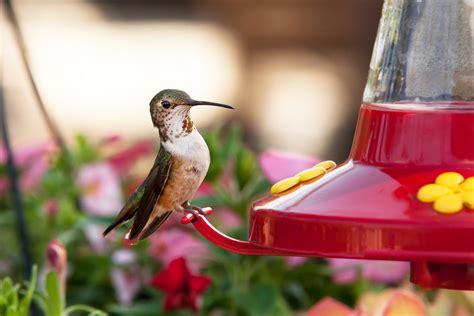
156, 181
142, 201
128, 210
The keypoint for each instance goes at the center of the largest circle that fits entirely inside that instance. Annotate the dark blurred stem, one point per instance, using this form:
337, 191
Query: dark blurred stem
17, 201
53, 129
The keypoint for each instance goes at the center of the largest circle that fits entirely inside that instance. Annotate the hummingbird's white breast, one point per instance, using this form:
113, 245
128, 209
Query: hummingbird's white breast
190, 163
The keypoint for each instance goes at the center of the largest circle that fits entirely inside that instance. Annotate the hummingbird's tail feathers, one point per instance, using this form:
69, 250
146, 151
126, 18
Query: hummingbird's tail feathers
154, 225
141, 203
155, 183
119, 220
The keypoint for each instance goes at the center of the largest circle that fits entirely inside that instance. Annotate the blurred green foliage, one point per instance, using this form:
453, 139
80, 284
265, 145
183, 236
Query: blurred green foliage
241, 285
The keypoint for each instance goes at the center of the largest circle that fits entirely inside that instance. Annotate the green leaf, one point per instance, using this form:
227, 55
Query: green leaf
280, 308
259, 299
85, 152
7, 285
84, 308
217, 161
232, 143
55, 300
15, 299
245, 167
41, 301
140, 308
26, 301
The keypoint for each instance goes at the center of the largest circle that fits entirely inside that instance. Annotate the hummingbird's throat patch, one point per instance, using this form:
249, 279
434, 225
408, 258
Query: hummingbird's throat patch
188, 125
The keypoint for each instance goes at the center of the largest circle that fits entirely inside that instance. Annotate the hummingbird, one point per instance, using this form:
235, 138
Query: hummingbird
179, 169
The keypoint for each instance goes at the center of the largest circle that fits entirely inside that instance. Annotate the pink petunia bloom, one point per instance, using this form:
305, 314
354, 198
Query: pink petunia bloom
385, 271
175, 243
51, 207
111, 139
126, 284
3, 185
33, 173
295, 261
125, 276
390, 302
29, 154
329, 307
3, 178
98, 243
205, 189
277, 165
31, 161
100, 189
347, 270
227, 219
122, 160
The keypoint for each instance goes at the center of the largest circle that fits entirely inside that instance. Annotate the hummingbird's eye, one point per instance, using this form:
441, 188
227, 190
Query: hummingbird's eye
165, 104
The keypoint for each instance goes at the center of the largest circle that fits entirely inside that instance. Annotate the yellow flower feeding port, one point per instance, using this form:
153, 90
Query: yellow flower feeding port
449, 194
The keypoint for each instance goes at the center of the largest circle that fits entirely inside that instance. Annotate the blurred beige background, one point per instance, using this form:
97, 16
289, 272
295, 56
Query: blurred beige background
294, 69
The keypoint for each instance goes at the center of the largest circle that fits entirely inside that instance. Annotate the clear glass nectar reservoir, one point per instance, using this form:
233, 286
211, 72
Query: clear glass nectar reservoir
423, 53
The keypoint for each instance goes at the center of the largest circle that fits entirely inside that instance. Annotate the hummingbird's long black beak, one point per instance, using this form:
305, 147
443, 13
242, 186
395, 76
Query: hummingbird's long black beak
195, 103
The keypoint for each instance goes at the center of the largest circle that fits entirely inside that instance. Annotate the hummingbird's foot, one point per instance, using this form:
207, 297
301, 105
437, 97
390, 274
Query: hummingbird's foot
199, 210
188, 208
193, 212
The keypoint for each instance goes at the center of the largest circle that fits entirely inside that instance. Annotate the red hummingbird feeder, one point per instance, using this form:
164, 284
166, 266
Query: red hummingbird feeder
406, 192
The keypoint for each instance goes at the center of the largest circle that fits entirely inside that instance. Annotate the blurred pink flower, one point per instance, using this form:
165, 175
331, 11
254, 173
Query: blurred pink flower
398, 302
127, 284
98, 243
3, 178
121, 161
227, 219
126, 276
123, 257
329, 307
175, 243
33, 173
111, 139
295, 261
385, 271
56, 256
277, 165
29, 154
100, 189
32, 162
3, 185
205, 189
347, 270
51, 207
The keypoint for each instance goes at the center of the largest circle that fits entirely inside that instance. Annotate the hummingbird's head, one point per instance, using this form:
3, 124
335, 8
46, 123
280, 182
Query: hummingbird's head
169, 111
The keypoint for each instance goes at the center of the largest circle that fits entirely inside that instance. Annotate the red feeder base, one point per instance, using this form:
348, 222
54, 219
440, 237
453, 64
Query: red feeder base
367, 207
457, 276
